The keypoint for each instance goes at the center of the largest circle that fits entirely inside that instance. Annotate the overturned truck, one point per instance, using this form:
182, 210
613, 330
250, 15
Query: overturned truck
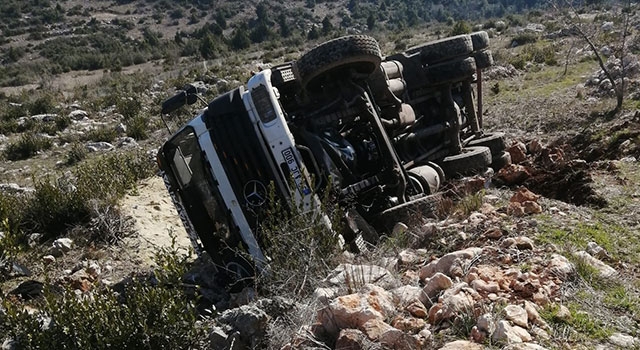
382, 132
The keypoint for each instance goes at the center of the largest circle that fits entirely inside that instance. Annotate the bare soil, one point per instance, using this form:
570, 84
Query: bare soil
156, 221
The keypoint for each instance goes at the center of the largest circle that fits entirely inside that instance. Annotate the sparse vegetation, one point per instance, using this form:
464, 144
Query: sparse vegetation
59, 204
101, 134
142, 316
77, 153
299, 239
27, 146
469, 203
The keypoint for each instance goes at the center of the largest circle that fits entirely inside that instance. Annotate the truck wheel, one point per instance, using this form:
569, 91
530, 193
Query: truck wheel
494, 141
443, 49
480, 40
470, 160
359, 52
238, 272
451, 72
484, 59
424, 207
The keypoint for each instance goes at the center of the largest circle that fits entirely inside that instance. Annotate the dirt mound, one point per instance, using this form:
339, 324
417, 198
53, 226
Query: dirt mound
563, 169
615, 141
551, 171
569, 182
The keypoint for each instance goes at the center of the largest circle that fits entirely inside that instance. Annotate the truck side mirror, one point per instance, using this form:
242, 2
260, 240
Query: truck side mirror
188, 95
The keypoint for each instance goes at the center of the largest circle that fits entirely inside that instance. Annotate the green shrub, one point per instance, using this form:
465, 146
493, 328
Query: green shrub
137, 127
538, 53
9, 249
44, 127
489, 24
26, 147
518, 62
516, 20
524, 38
52, 209
101, 134
42, 104
13, 112
128, 107
461, 27
77, 153
62, 122
109, 177
11, 211
143, 317
8, 126
301, 239
56, 206
120, 90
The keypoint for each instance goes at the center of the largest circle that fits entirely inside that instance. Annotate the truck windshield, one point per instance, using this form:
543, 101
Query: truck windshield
197, 192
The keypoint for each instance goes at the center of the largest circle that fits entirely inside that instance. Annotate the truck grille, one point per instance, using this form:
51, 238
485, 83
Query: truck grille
238, 146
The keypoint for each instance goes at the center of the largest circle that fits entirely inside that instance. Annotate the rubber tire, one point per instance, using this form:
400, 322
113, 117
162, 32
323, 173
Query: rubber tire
424, 207
443, 49
469, 161
484, 59
451, 72
238, 271
500, 161
479, 40
494, 141
361, 52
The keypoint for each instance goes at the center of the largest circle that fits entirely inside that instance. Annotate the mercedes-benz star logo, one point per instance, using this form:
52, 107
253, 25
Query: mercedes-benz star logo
255, 193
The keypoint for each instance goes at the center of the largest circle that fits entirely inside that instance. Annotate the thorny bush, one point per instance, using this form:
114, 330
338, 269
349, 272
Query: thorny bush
301, 244
57, 205
143, 316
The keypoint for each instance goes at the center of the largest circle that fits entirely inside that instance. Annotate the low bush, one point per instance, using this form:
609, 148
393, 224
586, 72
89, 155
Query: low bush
57, 205
9, 248
540, 54
50, 127
27, 146
109, 177
101, 134
143, 316
52, 208
301, 239
77, 153
524, 38
461, 27
8, 126
15, 111
62, 122
129, 107
137, 127
109, 225
537, 53
42, 104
